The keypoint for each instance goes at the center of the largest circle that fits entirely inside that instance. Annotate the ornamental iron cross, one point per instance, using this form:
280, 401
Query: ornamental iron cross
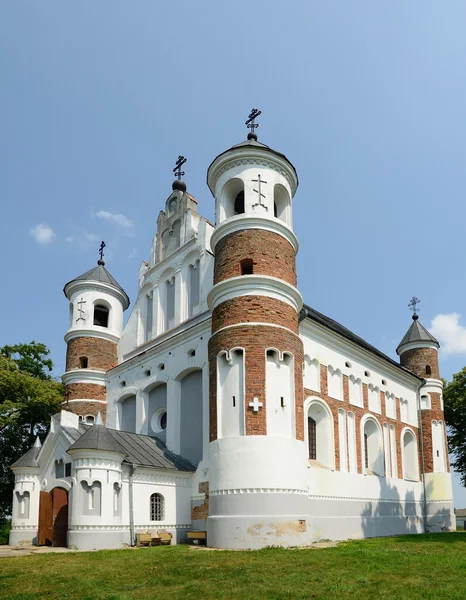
255, 405
252, 117
80, 309
101, 250
413, 305
259, 182
179, 163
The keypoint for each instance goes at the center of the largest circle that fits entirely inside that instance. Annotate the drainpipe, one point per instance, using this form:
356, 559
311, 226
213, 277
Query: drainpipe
424, 503
132, 469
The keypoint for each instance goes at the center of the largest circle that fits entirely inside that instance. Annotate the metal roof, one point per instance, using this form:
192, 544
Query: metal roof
100, 274
138, 449
29, 459
329, 323
417, 333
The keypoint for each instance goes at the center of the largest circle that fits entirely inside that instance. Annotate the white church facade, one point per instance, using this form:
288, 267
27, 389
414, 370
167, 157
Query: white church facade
225, 405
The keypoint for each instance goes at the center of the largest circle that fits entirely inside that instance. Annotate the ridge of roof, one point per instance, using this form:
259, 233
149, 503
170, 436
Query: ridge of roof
333, 325
417, 333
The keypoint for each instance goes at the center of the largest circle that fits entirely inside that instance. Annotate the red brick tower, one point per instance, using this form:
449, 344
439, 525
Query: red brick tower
97, 303
255, 352
418, 352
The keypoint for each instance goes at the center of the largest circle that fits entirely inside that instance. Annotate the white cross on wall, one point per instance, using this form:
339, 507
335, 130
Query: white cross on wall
255, 405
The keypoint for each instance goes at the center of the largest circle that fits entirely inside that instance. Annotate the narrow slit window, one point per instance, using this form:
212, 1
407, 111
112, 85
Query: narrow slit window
428, 370
239, 204
247, 266
282, 401
312, 434
83, 362
234, 401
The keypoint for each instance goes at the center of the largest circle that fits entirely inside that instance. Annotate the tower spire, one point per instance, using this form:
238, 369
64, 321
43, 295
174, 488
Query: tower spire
101, 254
413, 306
179, 184
250, 123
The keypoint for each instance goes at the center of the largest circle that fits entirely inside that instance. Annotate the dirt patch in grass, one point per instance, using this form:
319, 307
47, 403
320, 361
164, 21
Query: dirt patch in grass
399, 568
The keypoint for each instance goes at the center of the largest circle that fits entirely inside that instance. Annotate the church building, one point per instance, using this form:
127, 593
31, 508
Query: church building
226, 405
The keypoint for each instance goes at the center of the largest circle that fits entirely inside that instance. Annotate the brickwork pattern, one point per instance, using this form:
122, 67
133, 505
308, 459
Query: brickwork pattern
101, 354
271, 254
359, 412
255, 339
89, 391
253, 309
202, 511
85, 409
434, 414
417, 359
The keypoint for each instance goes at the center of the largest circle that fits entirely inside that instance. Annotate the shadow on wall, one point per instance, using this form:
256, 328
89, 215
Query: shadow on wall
394, 515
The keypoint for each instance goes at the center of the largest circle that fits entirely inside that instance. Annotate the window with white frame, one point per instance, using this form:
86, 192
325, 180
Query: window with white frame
410, 457
157, 507
335, 383
320, 434
373, 457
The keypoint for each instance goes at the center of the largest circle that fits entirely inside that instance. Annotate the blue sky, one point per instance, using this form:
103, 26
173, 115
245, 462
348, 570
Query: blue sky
366, 98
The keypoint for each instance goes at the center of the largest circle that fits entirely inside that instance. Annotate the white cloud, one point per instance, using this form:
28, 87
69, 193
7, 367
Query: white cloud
120, 221
43, 234
450, 333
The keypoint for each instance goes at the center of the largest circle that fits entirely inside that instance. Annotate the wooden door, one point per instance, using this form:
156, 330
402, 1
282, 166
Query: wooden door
44, 534
60, 517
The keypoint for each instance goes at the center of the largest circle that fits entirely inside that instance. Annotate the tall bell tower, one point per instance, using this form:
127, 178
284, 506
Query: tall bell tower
257, 453
97, 303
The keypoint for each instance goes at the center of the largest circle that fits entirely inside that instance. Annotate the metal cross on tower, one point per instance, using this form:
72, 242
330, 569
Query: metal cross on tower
252, 117
179, 163
101, 250
259, 182
80, 309
413, 306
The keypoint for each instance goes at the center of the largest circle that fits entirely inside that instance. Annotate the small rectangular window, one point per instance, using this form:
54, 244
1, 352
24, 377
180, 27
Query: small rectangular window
247, 266
68, 470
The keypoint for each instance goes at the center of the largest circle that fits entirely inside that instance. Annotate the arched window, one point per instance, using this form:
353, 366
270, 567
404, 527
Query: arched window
373, 448
116, 499
90, 419
428, 370
157, 507
101, 313
169, 303
281, 204
194, 284
410, 459
59, 469
320, 434
83, 361
239, 204
157, 410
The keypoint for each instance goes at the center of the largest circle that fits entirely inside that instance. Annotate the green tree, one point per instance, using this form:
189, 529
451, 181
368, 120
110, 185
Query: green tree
454, 396
28, 398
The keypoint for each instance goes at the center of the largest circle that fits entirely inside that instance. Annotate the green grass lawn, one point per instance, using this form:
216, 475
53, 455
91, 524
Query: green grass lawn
408, 567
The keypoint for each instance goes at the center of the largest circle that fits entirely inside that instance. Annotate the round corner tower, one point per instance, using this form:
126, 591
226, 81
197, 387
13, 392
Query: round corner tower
255, 352
418, 352
97, 303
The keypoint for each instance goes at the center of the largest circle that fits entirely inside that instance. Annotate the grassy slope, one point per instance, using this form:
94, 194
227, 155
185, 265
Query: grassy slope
410, 567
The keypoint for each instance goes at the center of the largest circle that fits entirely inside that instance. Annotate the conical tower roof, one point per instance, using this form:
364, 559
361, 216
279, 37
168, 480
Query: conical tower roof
416, 333
97, 437
99, 274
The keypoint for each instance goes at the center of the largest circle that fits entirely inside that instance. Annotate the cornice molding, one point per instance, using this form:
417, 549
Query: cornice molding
74, 286
254, 285
244, 221
416, 346
92, 333
84, 376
